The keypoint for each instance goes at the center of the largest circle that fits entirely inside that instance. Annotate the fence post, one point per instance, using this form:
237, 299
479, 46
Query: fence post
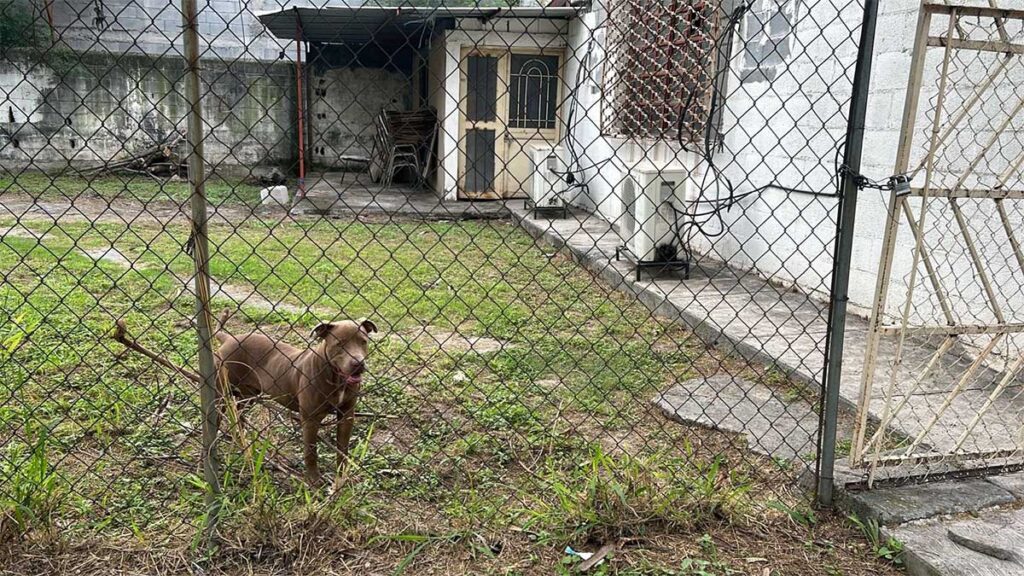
197, 178
843, 252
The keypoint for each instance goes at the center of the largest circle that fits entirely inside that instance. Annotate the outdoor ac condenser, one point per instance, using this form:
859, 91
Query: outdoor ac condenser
649, 224
547, 186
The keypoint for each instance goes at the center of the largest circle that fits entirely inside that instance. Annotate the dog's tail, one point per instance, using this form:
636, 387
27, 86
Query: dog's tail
219, 333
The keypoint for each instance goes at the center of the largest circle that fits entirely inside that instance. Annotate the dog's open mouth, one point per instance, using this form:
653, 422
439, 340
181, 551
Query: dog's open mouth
354, 377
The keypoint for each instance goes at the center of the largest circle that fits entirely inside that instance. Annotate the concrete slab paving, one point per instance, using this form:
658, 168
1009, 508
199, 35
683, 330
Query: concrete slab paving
989, 545
233, 294
899, 504
432, 337
772, 426
110, 255
1012, 483
352, 193
743, 313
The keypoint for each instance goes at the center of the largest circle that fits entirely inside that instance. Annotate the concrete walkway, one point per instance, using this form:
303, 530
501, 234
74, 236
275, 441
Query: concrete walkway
741, 312
991, 544
783, 328
348, 193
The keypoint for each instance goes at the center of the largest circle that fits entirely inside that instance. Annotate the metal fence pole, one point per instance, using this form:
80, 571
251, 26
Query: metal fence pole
843, 251
197, 178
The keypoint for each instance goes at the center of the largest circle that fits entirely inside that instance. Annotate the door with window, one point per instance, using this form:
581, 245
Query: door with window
509, 101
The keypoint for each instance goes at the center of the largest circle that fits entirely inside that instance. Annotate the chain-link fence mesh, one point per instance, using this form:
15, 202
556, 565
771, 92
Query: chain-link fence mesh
945, 350
496, 280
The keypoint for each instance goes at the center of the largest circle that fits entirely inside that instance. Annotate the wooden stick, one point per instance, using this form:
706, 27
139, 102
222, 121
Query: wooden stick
121, 336
597, 557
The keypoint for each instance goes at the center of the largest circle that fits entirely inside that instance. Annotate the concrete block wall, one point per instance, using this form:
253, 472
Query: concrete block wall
103, 108
346, 101
126, 89
896, 24
783, 123
778, 119
228, 29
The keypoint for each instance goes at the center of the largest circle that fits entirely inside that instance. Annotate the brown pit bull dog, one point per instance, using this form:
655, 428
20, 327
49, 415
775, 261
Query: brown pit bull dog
315, 382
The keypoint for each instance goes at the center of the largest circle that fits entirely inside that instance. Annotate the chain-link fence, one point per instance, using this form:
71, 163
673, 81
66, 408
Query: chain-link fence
478, 286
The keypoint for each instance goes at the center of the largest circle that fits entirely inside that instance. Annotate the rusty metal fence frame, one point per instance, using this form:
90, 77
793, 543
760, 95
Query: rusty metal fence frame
959, 33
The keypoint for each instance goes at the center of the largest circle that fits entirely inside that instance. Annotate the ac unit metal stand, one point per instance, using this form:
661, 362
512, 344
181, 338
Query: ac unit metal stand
560, 210
660, 265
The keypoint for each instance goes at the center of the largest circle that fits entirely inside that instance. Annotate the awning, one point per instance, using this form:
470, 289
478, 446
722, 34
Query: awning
383, 25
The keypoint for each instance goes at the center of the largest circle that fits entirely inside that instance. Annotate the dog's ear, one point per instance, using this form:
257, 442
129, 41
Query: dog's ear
367, 325
321, 330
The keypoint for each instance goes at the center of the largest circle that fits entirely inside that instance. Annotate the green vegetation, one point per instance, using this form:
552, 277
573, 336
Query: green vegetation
19, 25
886, 548
24, 27
477, 462
124, 187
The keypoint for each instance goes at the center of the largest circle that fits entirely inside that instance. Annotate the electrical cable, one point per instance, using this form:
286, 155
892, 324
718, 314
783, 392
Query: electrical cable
704, 215
710, 222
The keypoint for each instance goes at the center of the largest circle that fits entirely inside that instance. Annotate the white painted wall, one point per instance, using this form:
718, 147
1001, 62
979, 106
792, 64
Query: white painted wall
950, 252
600, 161
783, 124
780, 235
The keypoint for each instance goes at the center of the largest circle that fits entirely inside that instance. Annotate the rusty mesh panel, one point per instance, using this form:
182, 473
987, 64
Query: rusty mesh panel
663, 60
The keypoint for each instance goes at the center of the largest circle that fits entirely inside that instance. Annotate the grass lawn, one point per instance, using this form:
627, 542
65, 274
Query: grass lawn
486, 462
124, 186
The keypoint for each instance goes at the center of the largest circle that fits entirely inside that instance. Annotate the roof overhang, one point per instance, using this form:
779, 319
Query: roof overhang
382, 25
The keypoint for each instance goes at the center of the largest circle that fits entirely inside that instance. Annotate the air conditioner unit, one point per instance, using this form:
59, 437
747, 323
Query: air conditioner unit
653, 198
546, 185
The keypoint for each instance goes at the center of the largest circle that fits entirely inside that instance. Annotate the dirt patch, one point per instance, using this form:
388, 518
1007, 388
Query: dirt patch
124, 211
238, 295
20, 232
121, 211
451, 341
110, 255
772, 546
243, 295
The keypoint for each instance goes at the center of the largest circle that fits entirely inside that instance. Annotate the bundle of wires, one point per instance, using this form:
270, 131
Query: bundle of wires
716, 193
704, 216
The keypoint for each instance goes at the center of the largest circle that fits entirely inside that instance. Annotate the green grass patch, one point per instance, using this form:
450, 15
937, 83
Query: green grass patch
551, 436
126, 187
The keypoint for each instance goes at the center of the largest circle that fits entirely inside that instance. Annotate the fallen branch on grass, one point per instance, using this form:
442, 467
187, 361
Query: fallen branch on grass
597, 557
121, 336
162, 158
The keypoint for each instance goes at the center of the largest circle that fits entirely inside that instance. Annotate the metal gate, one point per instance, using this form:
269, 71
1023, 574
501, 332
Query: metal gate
944, 351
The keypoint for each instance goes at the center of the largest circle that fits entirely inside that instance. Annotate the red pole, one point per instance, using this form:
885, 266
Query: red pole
301, 194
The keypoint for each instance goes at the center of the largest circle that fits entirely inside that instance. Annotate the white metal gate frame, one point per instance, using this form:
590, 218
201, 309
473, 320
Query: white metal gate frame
866, 451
